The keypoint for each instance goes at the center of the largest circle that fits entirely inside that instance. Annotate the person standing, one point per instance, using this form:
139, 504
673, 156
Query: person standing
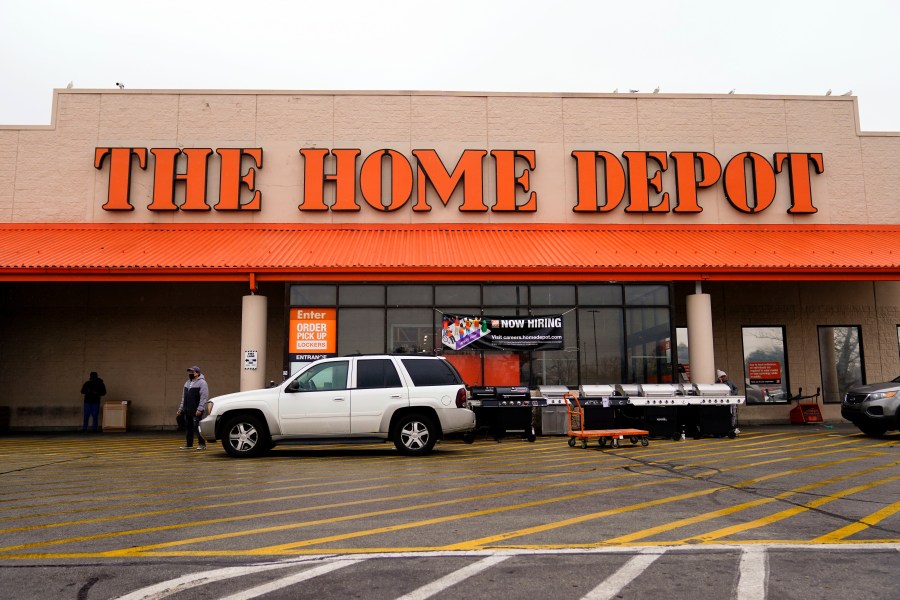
722, 377
93, 389
193, 404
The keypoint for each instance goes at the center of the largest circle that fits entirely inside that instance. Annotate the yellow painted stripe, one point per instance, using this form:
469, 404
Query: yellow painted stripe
785, 514
481, 543
864, 523
665, 527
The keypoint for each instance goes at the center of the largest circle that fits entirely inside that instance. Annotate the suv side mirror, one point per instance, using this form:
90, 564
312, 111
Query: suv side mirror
293, 387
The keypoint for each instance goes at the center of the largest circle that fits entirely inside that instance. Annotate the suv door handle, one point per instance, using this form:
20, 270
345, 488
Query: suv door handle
395, 396
338, 398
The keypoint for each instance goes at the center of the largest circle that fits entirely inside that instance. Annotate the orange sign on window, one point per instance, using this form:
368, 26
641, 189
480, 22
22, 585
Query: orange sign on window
764, 372
313, 331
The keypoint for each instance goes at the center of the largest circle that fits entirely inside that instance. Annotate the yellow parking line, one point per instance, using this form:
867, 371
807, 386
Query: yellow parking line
665, 527
864, 523
785, 514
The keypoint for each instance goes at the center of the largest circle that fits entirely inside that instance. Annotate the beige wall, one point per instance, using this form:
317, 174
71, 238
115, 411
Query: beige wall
801, 308
46, 173
139, 337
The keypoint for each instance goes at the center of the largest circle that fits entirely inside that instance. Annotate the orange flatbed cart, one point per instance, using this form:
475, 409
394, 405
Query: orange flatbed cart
577, 432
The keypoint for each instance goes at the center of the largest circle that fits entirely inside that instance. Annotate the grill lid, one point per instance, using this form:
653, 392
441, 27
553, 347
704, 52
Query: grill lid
662, 390
711, 389
597, 391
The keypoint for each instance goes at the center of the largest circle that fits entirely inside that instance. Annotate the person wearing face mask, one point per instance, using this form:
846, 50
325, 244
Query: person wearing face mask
193, 404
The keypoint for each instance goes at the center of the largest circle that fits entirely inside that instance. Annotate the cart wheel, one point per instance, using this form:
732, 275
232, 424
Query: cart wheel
584, 444
571, 442
602, 442
531, 437
468, 438
614, 443
645, 442
633, 440
677, 437
731, 435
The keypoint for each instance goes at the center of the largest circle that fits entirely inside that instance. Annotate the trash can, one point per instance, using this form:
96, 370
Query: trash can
115, 416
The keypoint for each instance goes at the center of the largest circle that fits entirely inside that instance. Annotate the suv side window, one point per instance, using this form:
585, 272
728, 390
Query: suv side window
327, 376
431, 372
376, 373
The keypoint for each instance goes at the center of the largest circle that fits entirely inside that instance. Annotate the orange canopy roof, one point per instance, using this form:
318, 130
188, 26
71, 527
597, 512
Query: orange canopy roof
455, 252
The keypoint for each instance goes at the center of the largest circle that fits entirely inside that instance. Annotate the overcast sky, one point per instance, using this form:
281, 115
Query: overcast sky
700, 46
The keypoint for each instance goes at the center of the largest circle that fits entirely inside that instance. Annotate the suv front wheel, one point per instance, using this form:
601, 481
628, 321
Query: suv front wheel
245, 436
416, 435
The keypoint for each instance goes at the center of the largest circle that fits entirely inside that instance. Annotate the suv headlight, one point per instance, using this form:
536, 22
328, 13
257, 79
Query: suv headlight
881, 395
209, 407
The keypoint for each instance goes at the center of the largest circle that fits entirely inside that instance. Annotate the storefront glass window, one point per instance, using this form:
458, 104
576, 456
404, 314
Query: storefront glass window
446, 295
362, 295
553, 295
601, 331
313, 295
556, 367
609, 294
683, 355
360, 331
765, 372
410, 295
647, 295
514, 295
605, 339
840, 356
648, 345
411, 331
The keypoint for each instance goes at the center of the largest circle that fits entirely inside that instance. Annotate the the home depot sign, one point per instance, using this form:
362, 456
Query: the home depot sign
386, 180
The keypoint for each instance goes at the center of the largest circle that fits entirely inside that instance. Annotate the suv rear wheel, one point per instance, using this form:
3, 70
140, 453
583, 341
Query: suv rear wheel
416, 435
245, 436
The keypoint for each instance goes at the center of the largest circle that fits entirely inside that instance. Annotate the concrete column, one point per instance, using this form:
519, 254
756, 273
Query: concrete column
253, 342
700, 338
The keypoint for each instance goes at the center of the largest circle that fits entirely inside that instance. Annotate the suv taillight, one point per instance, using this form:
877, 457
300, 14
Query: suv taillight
461, 398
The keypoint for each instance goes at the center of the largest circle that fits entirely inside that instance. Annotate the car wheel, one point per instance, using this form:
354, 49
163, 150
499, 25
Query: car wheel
872, 430
415, 435
245, 436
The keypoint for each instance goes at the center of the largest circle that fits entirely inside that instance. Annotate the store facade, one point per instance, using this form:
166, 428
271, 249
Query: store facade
530, 238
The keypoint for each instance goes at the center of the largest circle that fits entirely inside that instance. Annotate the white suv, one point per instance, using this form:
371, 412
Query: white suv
410, 400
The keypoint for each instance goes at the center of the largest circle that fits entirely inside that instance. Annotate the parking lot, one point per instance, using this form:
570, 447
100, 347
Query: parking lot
79, 504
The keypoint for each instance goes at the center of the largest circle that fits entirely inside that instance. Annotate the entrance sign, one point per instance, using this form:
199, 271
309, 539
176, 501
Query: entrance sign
312, 333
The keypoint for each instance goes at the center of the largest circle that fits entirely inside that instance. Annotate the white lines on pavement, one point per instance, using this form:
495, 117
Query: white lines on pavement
439, 585
612, 585
754, 574
186, 582
292, 579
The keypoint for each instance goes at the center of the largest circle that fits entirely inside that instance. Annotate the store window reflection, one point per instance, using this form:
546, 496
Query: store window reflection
840, 356
765, 372
556, 367
648, 345
601, 331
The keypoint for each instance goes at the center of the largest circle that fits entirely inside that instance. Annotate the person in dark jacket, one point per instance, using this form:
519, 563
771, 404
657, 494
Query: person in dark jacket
193, 404
93, 389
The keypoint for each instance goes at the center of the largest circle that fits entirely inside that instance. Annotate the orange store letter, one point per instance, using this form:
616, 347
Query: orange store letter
120, 161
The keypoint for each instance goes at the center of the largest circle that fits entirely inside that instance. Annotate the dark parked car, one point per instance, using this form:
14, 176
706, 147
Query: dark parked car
874, 408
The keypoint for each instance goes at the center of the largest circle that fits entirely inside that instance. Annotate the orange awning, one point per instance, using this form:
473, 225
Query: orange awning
446, 252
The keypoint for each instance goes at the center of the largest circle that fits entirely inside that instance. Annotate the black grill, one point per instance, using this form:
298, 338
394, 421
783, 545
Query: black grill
855, 398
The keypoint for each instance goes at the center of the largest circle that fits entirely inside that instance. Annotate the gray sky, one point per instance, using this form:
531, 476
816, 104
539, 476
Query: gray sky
700, 46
